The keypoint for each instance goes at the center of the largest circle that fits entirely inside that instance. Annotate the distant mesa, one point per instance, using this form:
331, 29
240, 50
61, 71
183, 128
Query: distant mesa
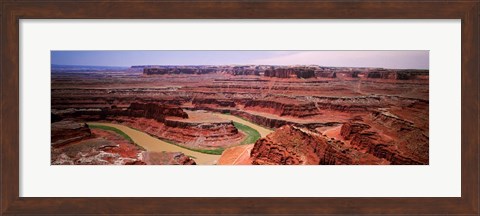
397, 74
300, 72
329, 74
290, 72
178, 70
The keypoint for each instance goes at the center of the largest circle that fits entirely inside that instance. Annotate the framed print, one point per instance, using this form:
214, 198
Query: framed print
239, 107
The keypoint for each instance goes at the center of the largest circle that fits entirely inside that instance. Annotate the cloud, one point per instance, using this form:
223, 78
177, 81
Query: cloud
386, 59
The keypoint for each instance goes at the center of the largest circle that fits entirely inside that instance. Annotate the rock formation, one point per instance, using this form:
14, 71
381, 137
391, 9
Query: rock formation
398, 74
190, 134
298, 72
178, 70
392, 105
155, 111
64, 132
275, 122
306, 73
166, 158
140, 110
202, 102
283, 109
398, 151
353, 127
238, 71
290, 145
166, 122
101, 148
326, 74
280, 73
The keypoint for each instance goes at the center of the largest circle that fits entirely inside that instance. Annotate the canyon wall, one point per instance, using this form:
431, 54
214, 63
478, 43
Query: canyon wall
202, 102
283, 109
290, 145
290, 72
326, 74
165, 122
408, 148
65, 132
276, 123
155, 111
397, 74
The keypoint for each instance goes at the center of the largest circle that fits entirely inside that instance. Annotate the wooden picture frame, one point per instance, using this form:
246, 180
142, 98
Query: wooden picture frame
12, 11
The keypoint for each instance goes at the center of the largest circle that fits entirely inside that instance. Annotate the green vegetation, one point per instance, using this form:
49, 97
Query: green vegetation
252, 134
119, 132
217, 151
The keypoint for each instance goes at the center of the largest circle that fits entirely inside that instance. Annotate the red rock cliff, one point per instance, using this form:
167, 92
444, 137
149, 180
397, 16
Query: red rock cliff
283, 109
155, 111
64, 132
290, 145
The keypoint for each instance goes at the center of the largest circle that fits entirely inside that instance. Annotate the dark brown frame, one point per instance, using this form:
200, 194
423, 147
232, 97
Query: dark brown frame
12, 11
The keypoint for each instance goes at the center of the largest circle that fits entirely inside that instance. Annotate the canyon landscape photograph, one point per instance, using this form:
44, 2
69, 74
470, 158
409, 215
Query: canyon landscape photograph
239, 107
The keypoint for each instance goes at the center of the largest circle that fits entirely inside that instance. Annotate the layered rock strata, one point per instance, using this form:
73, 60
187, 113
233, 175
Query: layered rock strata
409, 148
102, 148
290, 145
283, 109
64, 132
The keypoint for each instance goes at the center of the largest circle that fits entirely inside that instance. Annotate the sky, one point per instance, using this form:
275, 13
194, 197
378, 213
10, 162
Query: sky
384, 59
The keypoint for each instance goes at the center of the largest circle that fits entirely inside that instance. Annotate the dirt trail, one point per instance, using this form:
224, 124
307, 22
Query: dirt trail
153, 144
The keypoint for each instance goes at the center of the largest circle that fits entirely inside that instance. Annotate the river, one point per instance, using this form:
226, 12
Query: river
151, 143
263, 131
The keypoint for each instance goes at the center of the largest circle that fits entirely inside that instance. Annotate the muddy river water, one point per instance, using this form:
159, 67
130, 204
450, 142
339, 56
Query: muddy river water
151, 143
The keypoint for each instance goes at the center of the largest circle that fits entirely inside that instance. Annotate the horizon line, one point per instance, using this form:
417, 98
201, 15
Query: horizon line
240, 65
